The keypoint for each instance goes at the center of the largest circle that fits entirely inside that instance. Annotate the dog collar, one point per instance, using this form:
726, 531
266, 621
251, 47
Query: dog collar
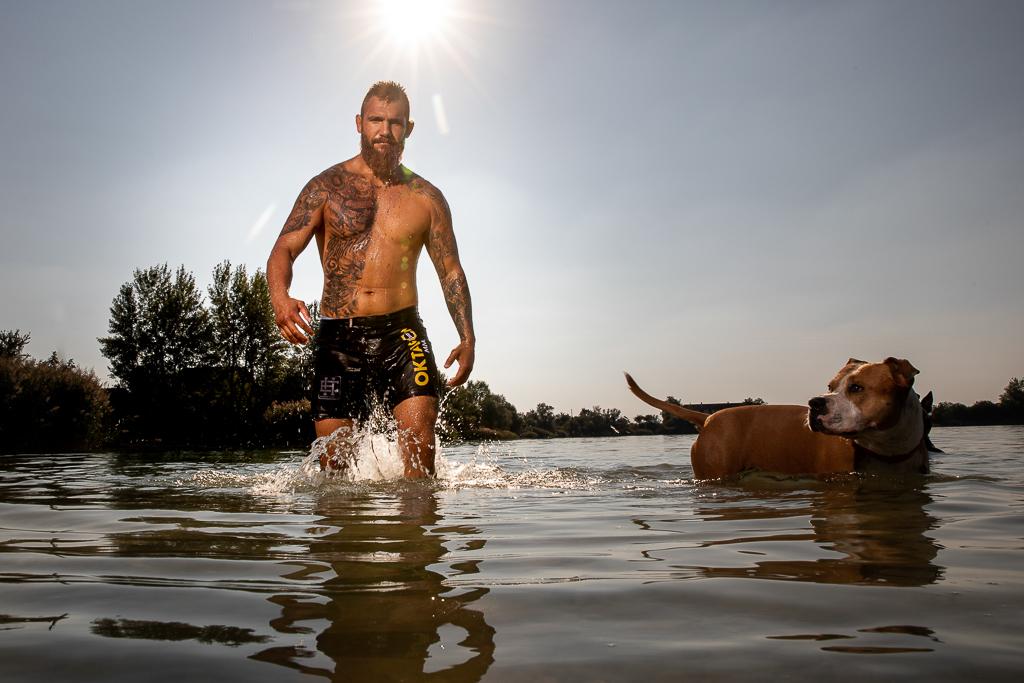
862, 455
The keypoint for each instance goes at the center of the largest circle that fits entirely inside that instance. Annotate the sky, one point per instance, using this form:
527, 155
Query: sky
726, 199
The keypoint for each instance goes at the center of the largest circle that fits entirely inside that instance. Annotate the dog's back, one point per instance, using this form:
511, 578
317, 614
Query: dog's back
772, 438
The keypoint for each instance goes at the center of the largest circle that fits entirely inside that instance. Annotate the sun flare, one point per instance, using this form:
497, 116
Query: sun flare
406, 38
413, 23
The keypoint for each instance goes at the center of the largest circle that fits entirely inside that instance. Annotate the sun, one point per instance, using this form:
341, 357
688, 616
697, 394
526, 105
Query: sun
403, 38
414, 24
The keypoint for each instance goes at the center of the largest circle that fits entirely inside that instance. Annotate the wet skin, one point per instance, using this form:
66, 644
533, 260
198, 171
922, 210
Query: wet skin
370, 224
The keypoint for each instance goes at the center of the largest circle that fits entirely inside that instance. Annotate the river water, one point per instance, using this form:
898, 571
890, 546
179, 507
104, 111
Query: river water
563, 560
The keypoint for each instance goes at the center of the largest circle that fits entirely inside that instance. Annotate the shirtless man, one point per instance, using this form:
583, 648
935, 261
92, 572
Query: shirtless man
371, 217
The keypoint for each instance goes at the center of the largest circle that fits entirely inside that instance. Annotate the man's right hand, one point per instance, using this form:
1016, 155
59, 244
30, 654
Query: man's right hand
293, 319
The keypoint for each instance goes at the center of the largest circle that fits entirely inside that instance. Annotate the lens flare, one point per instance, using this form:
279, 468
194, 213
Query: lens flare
414, 22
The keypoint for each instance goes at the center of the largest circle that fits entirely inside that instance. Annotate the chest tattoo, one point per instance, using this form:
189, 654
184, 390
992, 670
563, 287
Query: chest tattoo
348, 219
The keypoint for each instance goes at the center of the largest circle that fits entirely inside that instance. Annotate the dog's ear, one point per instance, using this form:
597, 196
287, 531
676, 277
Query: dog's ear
902, 371
927, 402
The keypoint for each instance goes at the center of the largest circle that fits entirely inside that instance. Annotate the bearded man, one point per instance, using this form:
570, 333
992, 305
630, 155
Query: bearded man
372, 217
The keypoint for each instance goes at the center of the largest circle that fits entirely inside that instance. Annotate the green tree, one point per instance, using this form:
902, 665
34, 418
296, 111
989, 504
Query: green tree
647, 424
158, 327
599, 422
461, 410
47, 406
242, 319
13, 343
949, 414
1011, 401
673, 424
159, 349
249, 355
473, 411
498, 413
538, 422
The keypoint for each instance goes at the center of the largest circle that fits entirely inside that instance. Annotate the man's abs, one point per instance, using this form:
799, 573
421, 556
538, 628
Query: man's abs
364, 301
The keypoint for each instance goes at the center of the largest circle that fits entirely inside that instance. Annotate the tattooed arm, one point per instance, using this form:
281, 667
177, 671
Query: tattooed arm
445, 255
291, 315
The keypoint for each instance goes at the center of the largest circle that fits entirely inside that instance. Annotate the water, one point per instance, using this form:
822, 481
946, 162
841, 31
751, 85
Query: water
568, 560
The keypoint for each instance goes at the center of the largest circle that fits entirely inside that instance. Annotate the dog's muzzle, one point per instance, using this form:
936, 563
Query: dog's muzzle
818, 406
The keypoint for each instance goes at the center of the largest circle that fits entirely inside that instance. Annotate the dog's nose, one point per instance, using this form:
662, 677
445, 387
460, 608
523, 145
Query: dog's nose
818, 404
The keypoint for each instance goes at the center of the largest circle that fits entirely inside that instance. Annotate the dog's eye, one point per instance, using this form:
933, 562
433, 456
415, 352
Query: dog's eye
855, 388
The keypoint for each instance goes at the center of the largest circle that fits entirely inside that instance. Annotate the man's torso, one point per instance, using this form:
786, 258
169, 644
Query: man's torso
370, 241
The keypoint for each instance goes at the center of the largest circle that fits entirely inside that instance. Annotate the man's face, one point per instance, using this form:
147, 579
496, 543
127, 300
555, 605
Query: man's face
383, 127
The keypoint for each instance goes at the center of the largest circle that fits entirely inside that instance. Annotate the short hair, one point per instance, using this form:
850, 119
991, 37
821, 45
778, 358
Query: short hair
389, 91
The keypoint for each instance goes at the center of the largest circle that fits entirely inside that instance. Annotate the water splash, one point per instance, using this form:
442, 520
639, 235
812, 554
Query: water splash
374, 459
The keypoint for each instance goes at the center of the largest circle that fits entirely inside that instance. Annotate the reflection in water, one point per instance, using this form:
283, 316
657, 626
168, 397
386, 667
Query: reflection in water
173, 630
383, 614
878, 528
878, 531
10, 621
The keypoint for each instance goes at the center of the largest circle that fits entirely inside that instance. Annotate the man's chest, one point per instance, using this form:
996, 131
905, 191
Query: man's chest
392, 213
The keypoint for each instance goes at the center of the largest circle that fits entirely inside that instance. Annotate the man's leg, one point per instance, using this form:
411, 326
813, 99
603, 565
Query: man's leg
339, 449
416, 417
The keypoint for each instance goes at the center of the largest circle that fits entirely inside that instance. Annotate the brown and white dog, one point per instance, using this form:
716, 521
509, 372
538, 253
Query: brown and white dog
870, 420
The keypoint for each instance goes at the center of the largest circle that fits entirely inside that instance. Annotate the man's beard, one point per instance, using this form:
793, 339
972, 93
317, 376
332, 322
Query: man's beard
383, 164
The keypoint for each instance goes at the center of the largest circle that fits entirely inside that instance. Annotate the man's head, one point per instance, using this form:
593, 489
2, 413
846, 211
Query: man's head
389, 91
383, 124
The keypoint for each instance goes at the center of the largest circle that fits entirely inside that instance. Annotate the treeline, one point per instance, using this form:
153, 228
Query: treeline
197, 371
209, 370
474, 412
48, 402
1009, 410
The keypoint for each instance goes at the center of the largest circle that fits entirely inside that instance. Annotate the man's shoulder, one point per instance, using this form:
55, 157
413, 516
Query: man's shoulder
421, 186
338, 170
338, 177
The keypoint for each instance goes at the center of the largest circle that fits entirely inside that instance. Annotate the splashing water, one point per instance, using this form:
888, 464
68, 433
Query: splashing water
370, 454
373, 458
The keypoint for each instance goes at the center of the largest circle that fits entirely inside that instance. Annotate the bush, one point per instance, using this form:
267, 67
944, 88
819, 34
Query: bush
50, 405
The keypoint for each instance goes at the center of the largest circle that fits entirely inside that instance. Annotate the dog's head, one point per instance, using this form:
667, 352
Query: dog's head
862, 396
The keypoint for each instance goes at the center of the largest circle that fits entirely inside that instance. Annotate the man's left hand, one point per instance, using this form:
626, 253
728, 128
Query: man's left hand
464, 354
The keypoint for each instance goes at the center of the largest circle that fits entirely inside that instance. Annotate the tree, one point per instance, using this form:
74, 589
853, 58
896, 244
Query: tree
13, 343
242, 319
647, 424
497, 413
472, 410
673, 424
297, 364
158, 327
599, 422
248, 354
50, 405
949, 414
160, 342
1011, 401
538, 422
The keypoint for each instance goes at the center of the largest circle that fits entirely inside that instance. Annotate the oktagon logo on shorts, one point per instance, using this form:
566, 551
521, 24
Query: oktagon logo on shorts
418, 355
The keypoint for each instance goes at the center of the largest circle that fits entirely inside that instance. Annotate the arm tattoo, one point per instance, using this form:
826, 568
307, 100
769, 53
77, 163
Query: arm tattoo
456, 295
310, 199
444, 253
348, 214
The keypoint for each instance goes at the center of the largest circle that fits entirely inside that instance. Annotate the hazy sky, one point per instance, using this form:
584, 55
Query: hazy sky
728, 199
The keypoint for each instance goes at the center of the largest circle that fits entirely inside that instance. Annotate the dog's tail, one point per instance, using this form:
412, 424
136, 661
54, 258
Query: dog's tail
695, 417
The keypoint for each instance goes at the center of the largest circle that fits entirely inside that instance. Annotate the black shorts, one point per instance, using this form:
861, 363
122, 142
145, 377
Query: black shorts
360, 362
